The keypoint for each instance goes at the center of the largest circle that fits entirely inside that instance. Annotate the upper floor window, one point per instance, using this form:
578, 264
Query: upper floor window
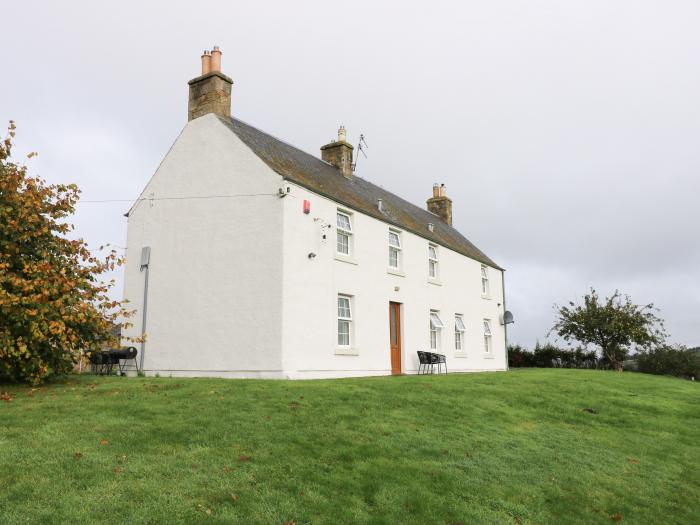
487, 336
484, 281
344, 228
459, 332
344, 321
394, 249
432, 261
435, 329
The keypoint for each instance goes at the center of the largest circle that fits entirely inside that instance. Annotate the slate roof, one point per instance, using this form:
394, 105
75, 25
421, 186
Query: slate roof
355, 193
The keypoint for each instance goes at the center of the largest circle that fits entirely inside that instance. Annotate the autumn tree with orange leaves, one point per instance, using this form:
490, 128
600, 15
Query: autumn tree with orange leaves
54, 304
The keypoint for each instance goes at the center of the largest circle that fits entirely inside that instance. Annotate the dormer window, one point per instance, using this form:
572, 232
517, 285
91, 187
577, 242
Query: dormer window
344, 230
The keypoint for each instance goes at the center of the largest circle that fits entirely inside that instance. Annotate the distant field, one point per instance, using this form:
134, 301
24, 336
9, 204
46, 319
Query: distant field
530, 446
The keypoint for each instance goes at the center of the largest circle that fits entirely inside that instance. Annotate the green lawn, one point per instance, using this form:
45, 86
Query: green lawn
514, 447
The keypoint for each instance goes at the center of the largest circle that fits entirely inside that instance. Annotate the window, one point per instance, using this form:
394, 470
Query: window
459, 332
484, 281
344, 320
487, 336
432, 261
344, 227
394, 250
435, 327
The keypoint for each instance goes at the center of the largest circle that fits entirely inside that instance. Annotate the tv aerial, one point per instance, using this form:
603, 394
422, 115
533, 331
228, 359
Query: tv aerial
361, 147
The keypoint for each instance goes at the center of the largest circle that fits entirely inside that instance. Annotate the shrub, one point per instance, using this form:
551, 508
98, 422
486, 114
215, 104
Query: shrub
550, 356
519, 356
670, 360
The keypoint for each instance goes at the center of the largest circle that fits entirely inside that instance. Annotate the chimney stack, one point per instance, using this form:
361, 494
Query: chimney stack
211, 91
339, 153
440, 204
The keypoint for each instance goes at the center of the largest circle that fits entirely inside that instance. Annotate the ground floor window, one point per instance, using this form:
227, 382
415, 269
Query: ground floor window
459, 332
344, 320
487, 336
435, 328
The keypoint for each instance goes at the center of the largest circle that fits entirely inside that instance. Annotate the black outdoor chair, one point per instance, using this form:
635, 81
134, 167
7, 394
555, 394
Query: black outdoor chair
439, 360
423, 362
433, 361
442, 360
101, 363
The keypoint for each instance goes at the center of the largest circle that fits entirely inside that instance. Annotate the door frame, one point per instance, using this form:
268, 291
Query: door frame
396, 307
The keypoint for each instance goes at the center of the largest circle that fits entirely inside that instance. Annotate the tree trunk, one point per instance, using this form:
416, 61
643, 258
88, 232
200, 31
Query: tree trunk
615, 363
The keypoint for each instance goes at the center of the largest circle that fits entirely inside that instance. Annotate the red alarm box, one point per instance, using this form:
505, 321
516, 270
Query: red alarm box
307, 206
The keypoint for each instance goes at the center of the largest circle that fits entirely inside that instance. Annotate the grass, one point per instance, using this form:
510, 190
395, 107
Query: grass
533, 446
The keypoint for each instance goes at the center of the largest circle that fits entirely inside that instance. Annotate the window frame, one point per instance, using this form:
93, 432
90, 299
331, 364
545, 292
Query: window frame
485, 282
435, 329
341, 231
346, 319
459, 333
433, 262
488, 335
397, 248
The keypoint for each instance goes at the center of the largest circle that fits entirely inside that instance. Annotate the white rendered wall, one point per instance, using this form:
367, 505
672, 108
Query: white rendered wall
311, 286
215, 285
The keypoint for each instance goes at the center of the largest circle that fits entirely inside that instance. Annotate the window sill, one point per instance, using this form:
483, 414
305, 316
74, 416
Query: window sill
489, 356
460, 354
345, 259
395, 271
342, 350
485, 296
434, 281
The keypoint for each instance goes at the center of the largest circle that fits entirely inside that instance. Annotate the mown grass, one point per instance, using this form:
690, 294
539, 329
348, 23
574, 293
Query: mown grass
534, 446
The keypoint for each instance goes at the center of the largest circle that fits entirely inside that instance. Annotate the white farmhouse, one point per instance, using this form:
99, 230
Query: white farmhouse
248, 257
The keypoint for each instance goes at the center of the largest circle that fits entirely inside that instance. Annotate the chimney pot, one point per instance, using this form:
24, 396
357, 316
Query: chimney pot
206, 62
342, 134
436, 190
216, 59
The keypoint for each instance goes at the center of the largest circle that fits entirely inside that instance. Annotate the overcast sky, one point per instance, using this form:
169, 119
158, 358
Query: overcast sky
567, 132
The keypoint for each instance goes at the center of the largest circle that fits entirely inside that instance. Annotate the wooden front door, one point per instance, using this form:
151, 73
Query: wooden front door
395, 336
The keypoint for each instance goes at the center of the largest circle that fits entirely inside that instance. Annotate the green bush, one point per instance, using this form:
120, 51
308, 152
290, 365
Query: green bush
551, 356
519, 357
670, 360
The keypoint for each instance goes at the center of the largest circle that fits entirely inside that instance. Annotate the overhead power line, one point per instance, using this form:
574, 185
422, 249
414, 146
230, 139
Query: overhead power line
177, 198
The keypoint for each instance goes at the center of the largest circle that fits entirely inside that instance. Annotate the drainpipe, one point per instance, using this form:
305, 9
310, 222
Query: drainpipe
145, 264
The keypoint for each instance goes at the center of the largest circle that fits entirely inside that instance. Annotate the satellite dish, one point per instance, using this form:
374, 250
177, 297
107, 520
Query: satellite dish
507, 318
